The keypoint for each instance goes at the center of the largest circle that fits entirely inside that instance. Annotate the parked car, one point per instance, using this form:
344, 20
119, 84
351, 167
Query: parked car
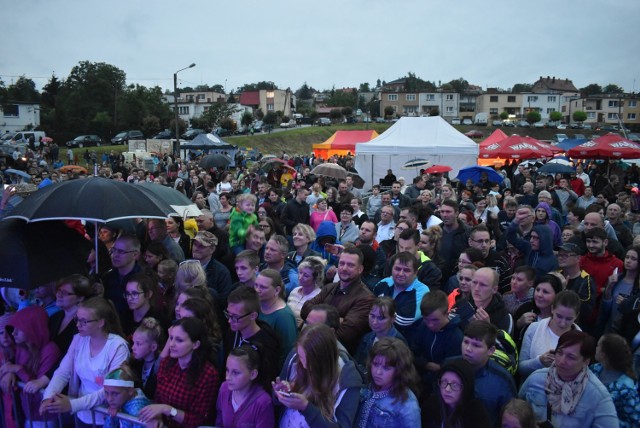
85, 141
163, 135
221, 132
496, 123
467, 122
242, 130
509, 124
524, 124
586, 126
634, 137
579, 137
190, 134
540, 124
290, 124
124, 137
562, 126
257, 126
380, 120
324, 121
455, 121
474, 134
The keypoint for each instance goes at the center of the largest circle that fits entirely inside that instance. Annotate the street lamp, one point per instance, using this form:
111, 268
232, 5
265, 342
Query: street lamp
175, 106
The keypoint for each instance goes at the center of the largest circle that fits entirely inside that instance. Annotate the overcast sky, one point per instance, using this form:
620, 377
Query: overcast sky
339, 43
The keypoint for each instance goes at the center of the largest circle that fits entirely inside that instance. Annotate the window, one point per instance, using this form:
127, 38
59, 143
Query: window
613, 103
612, 116
431, 97
11, 110
550, 110
511, 98
183, 110
493, 99
410, 109
271, 94
449, 109
449, 97
532, 98
493, 111
392, 97
591, 115
632, 103
411, 97
631, 116
551, 99
270, 107
200, 97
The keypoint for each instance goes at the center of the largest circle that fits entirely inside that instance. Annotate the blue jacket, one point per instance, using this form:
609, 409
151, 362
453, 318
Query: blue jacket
366, 343
595, 408
326, 230
542, 260
624, 393
408, 313
387, 412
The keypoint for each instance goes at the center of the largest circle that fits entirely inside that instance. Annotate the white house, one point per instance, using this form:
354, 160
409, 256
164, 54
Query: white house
17, 117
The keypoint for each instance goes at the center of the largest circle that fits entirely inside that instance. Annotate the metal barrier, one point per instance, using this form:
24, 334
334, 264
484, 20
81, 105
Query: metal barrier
17, 413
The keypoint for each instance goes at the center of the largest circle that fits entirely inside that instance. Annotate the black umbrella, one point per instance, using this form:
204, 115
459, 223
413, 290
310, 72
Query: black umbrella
554, 168
182, 205
35, 254
215, 160
94, 199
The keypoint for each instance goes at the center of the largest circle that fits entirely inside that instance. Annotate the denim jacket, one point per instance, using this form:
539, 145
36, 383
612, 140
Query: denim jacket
381, 410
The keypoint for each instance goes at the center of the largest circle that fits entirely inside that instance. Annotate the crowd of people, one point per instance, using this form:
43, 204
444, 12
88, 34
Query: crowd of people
304, 302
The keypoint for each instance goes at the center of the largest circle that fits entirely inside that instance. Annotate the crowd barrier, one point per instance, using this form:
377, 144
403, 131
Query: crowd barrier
20, 419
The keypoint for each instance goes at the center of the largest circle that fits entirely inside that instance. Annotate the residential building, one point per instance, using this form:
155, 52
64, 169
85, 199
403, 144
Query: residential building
194, 104
604, 109
19, 116
553, 85
494, 103
269, 100
445, 102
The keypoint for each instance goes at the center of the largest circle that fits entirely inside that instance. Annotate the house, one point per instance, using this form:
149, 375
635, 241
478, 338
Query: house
553, 85
494, 103
19, 116
269, 100
604, 109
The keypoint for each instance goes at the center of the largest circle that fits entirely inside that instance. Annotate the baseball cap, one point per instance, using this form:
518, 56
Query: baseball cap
571, 247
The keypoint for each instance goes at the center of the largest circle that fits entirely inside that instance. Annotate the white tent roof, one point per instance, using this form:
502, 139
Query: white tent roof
431, 138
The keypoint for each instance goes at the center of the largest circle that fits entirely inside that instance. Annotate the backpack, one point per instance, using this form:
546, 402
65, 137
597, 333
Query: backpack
506, 353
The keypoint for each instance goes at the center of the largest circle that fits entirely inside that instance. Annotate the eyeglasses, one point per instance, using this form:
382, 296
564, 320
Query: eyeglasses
60, 292
235, 318
81, 322
455, 387
132, 294
565, 255
120, 252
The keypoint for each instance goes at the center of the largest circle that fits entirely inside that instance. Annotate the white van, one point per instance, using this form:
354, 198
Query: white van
24, 136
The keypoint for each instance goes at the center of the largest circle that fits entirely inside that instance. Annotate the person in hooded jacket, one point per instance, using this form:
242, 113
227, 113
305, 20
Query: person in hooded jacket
544, 216
538, 251
36, 358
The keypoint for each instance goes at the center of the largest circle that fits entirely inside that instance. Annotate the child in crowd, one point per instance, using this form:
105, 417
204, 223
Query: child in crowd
121, 396
388, 399
375, 201
241, 218
148, 340
242, 400
36, 356
518, 414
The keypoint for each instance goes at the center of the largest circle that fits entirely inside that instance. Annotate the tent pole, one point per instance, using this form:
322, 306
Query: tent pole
95, 238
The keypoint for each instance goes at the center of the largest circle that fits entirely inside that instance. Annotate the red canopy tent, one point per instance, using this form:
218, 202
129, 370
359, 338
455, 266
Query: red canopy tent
342, 142
495, 136
516, 147
609, 146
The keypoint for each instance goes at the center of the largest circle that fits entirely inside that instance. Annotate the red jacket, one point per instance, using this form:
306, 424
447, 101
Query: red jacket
578, 186
600, 268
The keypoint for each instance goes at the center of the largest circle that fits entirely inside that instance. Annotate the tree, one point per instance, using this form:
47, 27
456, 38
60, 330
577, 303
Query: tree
504, 115
347, 111
259, 114
435, 111
232, 98
592, 89
416, 84
579, 116
522, 87
228, 124
23, 90
216, 113
612, 89
305, 92
270, 118
459, 85
388, 111
335, 114
340, 98
378, 83
247, 119
257, 86
533, 117
364, 87
555, 116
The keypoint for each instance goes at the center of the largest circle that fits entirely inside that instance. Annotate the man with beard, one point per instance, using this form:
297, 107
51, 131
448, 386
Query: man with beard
350, 296
455, 236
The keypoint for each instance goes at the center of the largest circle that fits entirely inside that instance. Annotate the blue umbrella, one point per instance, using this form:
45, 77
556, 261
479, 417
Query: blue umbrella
18, 172
475, 172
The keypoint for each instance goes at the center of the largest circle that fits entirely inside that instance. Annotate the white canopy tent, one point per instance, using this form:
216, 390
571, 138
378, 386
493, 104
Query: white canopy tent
431, 138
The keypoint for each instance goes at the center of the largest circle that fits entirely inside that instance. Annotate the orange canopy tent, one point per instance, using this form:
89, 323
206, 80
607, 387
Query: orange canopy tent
343, 142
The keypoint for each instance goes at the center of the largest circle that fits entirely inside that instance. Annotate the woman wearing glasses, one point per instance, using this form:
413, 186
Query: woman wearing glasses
71, 291
453, 403
96, 350
138, 293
